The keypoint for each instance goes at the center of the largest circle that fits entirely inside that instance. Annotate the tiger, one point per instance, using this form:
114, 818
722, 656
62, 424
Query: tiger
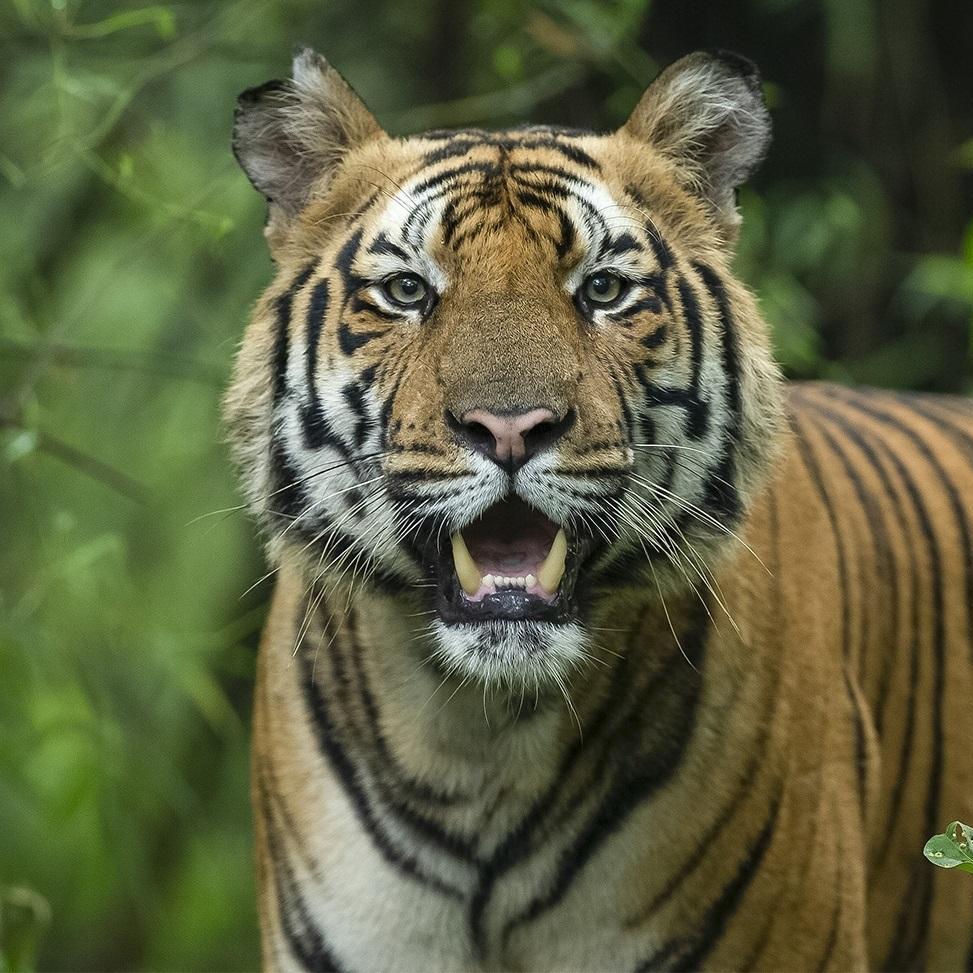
594, 644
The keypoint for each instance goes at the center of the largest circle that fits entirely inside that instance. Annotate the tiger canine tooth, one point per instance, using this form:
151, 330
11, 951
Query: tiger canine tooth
466, 569
552, 570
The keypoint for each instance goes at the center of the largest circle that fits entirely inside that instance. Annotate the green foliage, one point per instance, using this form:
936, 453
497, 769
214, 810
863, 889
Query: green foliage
23, 918
953, 848
130, 252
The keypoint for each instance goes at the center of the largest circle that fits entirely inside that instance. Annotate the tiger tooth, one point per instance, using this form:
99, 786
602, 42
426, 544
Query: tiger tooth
466, 569
552, 570
530, 581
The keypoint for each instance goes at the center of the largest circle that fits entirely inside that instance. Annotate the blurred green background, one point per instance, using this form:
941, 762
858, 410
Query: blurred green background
130, 252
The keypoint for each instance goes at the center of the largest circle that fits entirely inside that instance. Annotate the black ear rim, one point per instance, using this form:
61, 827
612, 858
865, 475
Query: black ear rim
740, 65
246, 101
252, 96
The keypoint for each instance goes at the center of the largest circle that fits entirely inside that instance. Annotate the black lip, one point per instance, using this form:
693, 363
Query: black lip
511, 605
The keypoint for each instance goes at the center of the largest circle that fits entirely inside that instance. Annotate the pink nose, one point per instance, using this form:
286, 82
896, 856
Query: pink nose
511, 440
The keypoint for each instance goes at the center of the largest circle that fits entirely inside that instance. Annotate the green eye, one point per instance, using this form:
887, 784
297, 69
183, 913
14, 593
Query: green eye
602, 288
406, 289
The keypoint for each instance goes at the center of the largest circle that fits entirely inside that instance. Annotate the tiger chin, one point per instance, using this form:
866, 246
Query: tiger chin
594, 644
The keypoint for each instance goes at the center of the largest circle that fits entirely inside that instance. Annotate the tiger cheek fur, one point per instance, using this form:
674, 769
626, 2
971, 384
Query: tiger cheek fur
593, 645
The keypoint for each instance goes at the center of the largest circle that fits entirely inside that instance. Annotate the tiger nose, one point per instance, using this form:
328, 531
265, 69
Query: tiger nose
510, 439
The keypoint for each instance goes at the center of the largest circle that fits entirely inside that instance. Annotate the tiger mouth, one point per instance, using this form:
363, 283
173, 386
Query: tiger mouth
512, 563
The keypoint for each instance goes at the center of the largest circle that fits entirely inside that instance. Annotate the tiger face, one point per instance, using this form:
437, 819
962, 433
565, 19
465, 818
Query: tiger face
508, 374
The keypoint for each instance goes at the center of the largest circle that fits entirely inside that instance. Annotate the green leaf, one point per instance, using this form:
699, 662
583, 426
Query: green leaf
953, 848
962, 835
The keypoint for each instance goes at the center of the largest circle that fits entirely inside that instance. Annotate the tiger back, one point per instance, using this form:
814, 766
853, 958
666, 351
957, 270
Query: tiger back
594, 645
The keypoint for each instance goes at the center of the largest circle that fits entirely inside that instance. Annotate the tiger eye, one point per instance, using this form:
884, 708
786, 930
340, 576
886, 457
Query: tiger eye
406, 289
602, 288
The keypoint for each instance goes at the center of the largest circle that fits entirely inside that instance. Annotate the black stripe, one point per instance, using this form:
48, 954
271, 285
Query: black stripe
282, 312
530, 197
350, 341
721, 494
304, 937
465, 205
517, 842
694, 325
317, 433
692, 954
730, 345
855, 434
368, 375
673, 699
416, 789
466, 140
327, 736
566, 240
756, 760
288, 496
354, 395
344, 263
536, 194
814, 469
697, 412
663, 255
382, 244
719, 824
963, 438
619, 388
458, 846
623, 243
949, 485
832, 941
649, 303
728, 904
577, 155
490, 169
520, 169
909, 946
316, 313
458, 146
876, 527
885, 559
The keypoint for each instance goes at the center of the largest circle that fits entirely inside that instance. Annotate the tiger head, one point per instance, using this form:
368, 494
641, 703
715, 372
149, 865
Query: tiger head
509, 373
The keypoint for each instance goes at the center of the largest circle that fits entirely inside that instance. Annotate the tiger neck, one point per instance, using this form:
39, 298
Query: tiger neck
367, 666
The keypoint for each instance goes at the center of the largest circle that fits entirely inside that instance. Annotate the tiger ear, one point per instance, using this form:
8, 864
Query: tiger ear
707, 114
290, 136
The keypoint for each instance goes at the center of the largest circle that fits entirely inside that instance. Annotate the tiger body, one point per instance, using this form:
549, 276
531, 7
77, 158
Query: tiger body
722, 741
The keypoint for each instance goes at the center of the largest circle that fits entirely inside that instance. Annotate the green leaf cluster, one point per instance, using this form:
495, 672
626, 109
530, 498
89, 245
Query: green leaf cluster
953, 848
